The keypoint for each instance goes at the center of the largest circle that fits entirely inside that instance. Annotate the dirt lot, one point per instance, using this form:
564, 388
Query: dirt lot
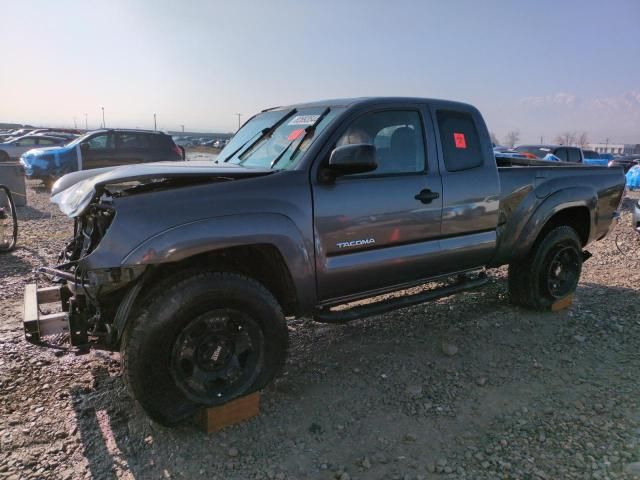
467, 387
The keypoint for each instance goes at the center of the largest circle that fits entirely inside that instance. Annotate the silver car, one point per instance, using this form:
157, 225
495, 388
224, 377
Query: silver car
13, 149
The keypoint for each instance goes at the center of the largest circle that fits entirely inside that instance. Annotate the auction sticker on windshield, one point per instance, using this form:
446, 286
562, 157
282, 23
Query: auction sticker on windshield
304, 120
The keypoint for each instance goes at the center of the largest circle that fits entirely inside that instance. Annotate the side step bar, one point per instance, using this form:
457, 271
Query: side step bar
343, 316
37, 325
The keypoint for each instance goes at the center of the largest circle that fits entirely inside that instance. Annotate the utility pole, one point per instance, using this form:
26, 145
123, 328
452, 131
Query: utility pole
182, 128
239, 115
75, 123
155, 125
86, 122
606, 148
104, 125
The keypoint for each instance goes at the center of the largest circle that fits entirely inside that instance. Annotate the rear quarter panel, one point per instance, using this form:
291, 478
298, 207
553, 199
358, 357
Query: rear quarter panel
532, 195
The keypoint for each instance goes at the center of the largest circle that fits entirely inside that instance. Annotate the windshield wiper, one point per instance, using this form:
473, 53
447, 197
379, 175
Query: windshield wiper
300, 140
261, 133
264, 133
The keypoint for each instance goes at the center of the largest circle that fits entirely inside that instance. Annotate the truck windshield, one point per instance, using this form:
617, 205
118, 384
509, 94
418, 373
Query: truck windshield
268, 139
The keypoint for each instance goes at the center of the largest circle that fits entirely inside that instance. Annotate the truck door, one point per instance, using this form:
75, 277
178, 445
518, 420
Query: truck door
381, 228
471, 188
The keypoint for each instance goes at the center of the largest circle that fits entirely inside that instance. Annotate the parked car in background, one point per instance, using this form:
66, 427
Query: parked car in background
609, 156
22, 131
64, 135
625, 162
100, 148
564, 153
183, 141
592, 157
12, 149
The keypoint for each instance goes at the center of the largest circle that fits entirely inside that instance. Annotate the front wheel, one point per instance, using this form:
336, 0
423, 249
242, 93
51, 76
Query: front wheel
550, 273
48, 182
204, 340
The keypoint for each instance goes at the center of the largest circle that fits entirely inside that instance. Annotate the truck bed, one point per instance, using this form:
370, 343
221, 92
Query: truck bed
528, 186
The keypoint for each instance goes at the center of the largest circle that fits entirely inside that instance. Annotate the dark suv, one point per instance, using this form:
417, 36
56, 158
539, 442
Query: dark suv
100, 148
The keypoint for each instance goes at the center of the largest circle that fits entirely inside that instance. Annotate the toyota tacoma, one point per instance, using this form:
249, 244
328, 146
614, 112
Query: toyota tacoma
191, 270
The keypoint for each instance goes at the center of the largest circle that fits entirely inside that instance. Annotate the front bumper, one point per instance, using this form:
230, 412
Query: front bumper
57, 329
37, 326
34, 172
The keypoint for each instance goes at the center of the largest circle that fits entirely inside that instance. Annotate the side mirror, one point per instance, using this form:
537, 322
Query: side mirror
84, 146
17, 144
349, 159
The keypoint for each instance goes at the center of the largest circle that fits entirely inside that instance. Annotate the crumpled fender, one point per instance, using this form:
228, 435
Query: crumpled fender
211, 234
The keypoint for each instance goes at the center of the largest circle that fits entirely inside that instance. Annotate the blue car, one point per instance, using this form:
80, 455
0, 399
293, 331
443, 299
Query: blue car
97, 149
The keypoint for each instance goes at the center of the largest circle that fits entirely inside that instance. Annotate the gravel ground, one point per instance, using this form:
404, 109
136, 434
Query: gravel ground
466, 387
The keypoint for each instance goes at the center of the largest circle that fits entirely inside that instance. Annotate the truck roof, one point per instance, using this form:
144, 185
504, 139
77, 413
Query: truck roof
363, 101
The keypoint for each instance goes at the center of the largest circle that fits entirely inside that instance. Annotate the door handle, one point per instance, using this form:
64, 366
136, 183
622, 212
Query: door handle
427, 196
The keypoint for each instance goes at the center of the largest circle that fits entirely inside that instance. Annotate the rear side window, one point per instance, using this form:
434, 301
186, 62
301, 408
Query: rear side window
574, 155
561, 153
132, 140
460, 141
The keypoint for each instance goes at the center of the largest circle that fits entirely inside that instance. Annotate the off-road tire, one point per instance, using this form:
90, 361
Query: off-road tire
528, 276
166, 310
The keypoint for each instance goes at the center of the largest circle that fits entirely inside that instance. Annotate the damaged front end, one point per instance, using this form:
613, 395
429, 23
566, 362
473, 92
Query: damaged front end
78, 311
115, 210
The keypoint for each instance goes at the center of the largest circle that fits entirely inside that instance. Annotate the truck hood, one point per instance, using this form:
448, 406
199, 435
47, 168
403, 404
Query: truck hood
74, 192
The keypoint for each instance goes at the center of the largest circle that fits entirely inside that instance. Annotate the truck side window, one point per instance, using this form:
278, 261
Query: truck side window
574, 155
397, 136
460, 141
561, 153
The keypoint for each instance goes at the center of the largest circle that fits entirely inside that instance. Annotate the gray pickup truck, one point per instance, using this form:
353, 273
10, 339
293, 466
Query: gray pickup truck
190, 270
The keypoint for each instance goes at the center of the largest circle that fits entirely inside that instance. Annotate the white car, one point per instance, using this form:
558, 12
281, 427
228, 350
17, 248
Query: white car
13, 149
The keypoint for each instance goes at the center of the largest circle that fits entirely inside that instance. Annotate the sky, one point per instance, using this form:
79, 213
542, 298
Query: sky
540, 67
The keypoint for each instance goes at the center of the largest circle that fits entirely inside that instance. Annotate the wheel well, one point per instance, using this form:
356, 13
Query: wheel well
262, 262
577, 218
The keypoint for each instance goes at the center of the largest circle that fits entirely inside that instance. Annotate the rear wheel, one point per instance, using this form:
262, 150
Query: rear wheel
204, 340
4, 156
551, 271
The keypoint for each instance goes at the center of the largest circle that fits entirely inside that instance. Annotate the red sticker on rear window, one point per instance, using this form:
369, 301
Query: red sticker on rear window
295, 134
461, 142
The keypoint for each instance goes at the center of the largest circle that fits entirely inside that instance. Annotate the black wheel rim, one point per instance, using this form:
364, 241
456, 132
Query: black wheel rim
563, 272
217, 356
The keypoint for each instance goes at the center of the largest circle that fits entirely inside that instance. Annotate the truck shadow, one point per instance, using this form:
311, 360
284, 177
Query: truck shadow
30, 213
119, 440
